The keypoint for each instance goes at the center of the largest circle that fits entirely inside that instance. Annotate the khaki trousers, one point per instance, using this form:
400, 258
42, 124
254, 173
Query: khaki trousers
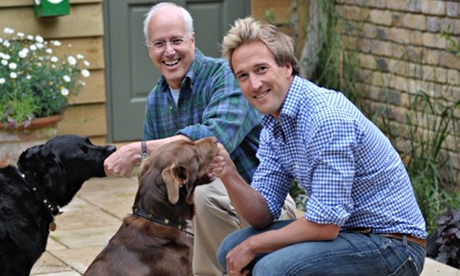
214, 219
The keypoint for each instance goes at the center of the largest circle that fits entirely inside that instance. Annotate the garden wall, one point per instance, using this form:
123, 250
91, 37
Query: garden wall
401, 50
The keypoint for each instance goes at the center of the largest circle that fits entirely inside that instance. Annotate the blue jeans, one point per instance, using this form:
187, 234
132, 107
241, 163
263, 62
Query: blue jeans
351, 253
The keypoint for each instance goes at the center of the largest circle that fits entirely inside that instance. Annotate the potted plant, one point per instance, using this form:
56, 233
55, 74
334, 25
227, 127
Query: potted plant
37, 78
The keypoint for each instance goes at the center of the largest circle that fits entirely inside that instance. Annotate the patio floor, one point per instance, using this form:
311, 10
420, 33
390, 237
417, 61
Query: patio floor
95, 214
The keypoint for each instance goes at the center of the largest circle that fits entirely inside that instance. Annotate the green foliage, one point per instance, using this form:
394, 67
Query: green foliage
431, 171
429, 124
35, 79
299, 196
452, 45
335, 67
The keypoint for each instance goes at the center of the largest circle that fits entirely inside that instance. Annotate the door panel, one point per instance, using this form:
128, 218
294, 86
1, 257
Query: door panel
130, 74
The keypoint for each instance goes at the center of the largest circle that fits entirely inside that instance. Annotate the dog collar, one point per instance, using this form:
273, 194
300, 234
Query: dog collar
50, 205
164, 221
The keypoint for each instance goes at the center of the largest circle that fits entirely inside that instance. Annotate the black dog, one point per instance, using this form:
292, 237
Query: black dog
46, 177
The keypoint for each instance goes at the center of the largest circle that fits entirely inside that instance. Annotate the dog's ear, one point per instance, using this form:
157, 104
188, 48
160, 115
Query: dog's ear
30, 160
174, 177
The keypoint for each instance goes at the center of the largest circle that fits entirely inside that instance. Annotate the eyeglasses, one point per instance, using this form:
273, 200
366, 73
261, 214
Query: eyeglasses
160, 45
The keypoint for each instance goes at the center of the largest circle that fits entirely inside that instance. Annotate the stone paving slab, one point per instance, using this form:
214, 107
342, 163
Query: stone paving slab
96, 213
434, 268
86, 225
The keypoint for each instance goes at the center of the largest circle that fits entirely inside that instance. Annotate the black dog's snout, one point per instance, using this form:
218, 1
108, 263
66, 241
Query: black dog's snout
110, 149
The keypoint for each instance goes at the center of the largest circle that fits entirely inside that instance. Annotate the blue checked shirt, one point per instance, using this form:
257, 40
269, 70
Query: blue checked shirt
210, 104
352, 174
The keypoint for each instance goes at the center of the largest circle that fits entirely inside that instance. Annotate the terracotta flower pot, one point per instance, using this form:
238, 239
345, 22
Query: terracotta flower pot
14, 141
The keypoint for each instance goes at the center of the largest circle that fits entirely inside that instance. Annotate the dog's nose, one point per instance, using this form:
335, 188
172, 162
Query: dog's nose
110, 149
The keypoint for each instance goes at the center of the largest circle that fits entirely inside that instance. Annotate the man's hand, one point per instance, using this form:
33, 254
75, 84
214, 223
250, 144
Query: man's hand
221, 162
238, 258
123, 160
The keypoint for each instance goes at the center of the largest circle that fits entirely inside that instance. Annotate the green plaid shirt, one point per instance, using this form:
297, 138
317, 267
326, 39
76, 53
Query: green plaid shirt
210, 104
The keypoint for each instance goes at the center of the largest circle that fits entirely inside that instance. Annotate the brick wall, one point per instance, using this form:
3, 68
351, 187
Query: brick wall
401, 50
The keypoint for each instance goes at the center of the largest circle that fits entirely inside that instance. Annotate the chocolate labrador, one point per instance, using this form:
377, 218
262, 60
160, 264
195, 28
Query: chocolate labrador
152, 240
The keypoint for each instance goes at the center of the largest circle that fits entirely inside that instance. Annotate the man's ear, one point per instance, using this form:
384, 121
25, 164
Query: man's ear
289, 69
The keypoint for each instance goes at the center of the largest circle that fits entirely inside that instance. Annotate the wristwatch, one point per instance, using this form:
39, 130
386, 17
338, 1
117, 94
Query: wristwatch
144, 152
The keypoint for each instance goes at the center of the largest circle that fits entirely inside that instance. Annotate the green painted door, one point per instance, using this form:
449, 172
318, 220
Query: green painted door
130, 74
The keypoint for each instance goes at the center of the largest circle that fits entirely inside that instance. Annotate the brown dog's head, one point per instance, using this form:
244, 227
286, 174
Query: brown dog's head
169, 176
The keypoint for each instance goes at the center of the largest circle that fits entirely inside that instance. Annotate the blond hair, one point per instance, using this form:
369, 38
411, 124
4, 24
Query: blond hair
249, 30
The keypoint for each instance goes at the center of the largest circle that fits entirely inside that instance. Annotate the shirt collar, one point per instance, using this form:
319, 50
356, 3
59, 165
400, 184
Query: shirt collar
290, 106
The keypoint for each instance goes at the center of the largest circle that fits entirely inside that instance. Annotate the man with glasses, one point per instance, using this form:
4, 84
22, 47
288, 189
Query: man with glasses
196, 97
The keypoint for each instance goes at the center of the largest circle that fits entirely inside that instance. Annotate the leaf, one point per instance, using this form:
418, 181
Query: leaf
450, 232
444, 219
456, 217
442, 257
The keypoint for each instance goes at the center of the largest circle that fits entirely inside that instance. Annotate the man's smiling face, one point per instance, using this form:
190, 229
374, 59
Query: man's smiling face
173, 59
263, 82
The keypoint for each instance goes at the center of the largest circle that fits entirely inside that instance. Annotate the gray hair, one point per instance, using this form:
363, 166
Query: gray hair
158, 7
249, 30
